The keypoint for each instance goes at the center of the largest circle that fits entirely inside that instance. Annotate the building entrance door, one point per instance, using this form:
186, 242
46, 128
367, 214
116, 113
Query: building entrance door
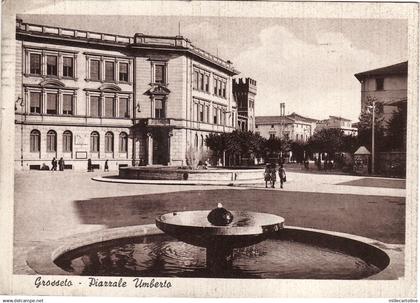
160, 147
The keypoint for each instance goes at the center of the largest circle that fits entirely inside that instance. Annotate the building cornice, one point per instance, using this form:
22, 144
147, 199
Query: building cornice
61, 35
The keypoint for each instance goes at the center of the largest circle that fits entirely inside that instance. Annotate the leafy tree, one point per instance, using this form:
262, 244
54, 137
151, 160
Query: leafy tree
298, 150
396, 130
327, 140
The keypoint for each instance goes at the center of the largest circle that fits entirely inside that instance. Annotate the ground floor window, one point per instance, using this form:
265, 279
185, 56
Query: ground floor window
94, 142
67, 141
51, 141
123, 143
109, 142
35, 138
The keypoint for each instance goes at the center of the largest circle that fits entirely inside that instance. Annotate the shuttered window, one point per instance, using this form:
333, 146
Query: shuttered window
95, 70
109, 71
52, 65
52, 104
67, 67
35, 64
109, 107
35, 103
94, 106
67, 104
123, 108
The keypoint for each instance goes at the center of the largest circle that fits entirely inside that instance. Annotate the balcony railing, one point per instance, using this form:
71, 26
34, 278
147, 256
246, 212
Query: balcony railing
158, 122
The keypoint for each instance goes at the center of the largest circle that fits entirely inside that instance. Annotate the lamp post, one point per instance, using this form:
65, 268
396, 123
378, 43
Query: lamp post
373, 137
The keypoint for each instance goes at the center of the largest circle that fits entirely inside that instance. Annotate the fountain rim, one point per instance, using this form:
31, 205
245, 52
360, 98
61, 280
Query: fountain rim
41, 258
227, 230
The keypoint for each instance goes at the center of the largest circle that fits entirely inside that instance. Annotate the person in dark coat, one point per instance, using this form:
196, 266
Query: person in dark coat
282, 175
106, 168
89, 165
54, 164
267, 174
273, 173
61, 164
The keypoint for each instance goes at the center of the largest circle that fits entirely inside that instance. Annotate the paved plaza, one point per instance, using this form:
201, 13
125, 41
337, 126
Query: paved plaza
52, 205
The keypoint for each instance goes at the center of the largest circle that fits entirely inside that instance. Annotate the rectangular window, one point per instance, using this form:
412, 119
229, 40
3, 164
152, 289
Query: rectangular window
201, 81
123, 108
35, 64
207, 83
160, 74
35, 103
214, 115
379, 83
195, 80
95, 70
94, 106
208, 114
67, 105
215, 85
123, 72
52, 104
109, 71
109, 107
201, 113
159, 108
68, 67
224, 90
52, 65
195, 112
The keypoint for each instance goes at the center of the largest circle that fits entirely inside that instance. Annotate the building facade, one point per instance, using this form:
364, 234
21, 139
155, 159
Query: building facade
293, 127
138, 99
387, 85
337, 123
244, 92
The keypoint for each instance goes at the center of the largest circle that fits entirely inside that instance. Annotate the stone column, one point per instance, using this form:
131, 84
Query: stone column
149, 149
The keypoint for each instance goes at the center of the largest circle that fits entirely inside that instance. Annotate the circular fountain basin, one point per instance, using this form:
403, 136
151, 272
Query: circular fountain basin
174, 173
192, 227
291, 253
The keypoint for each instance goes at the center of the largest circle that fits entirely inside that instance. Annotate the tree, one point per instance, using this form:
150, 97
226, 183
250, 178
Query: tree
298, 150
327, 140
396, 130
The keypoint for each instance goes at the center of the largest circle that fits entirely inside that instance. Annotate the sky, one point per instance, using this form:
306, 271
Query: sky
309, 64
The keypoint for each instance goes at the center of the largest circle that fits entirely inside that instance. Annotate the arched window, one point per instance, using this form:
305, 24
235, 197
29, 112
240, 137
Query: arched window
123, 142
35, 138
109, 142
67, 141
94, 142
51, 141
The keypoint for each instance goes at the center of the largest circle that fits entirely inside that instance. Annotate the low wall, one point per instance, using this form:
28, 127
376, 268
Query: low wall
145, 173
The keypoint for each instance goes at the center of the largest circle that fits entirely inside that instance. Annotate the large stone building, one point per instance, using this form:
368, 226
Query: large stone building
294, 127
337, 123
244, 92
387, 85
128, 99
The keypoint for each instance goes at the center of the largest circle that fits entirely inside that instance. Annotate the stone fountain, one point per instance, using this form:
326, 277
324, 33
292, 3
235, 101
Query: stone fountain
219, 231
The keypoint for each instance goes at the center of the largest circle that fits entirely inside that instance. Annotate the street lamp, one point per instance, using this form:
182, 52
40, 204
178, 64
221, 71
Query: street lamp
373, 135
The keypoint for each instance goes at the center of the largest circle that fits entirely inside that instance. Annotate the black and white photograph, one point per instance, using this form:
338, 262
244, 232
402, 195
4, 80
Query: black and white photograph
209, 149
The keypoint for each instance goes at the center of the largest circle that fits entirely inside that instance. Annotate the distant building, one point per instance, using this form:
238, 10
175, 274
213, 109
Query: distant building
244, 92
294, 127
387, 85
337, 123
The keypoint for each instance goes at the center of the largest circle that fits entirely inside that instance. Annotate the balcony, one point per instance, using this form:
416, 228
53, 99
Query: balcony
158, 122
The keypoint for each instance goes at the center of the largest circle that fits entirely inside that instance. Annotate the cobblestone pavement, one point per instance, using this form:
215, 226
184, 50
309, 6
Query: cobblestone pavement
51, 205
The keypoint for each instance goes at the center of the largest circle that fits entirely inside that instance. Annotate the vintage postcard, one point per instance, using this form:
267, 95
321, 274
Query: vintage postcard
209, 149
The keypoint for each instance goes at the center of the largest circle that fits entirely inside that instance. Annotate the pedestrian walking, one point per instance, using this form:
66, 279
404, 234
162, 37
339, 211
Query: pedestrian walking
54, 164
282, 175
106, 168
267, 174
273, 173
89, 165
61, 164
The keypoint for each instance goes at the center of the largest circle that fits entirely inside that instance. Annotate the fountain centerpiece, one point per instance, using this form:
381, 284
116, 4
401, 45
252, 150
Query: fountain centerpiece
219, 231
